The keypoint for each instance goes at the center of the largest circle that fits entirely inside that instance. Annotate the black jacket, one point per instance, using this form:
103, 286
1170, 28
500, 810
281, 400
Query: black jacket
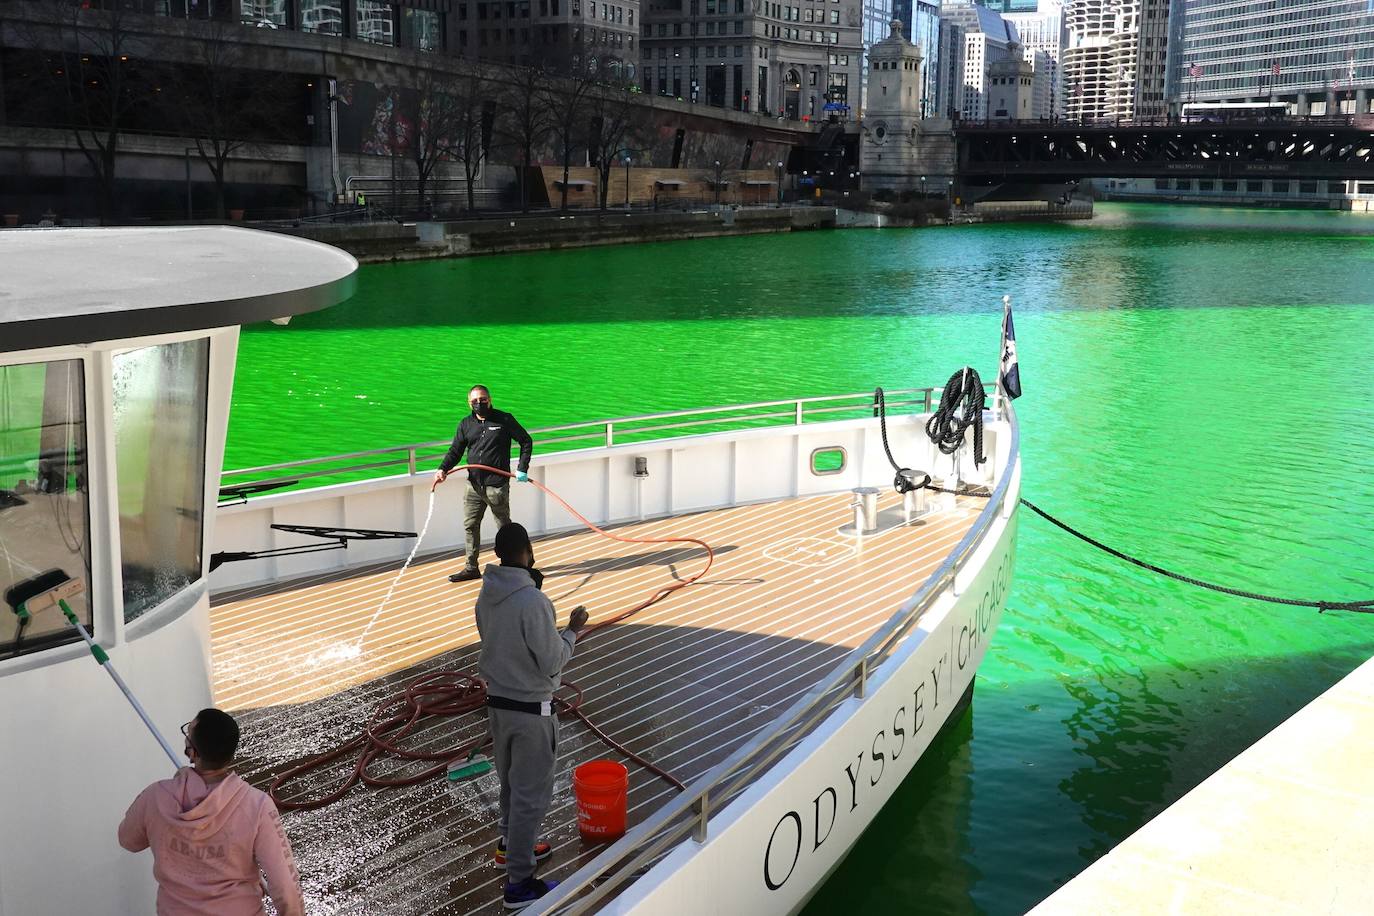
488, 442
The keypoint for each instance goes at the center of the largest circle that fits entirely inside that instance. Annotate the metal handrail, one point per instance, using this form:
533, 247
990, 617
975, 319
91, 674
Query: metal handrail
603, 431
689, 813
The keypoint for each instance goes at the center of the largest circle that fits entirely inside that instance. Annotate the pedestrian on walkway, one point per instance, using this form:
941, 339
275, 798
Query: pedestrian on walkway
485, 435
211, 833
522, 661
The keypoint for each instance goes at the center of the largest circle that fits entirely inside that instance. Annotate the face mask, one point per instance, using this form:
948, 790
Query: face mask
537, 576
480, 406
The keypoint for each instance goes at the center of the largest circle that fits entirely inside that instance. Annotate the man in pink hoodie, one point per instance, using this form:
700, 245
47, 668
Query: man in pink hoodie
211, 832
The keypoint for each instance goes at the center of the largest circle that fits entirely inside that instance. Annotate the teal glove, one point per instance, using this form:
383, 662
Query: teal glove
522, 477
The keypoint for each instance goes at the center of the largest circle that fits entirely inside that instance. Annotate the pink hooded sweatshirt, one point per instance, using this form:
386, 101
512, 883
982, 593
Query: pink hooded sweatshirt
208, 843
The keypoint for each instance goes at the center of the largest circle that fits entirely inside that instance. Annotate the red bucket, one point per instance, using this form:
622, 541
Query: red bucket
600, 788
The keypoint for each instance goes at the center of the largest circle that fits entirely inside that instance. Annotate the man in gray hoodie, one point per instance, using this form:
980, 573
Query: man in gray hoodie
522, 661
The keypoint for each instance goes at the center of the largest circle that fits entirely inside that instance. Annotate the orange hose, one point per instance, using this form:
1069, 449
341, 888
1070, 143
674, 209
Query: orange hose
450, 693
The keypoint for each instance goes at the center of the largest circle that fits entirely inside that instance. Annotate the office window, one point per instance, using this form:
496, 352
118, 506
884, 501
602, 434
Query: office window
267, 14
159, 430
423, 30
325, 16
376, 22
44, 514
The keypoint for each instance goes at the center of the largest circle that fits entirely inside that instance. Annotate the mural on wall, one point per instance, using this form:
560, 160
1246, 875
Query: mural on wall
366, 111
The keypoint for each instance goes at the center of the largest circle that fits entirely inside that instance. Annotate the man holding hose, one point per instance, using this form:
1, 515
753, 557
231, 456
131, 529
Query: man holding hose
485, 435
522, 661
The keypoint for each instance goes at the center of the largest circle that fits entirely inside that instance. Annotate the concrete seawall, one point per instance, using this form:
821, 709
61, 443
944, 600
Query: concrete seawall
380, 242
373, 243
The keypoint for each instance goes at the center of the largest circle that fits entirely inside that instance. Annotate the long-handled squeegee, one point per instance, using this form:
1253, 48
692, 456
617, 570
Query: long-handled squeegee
53, 588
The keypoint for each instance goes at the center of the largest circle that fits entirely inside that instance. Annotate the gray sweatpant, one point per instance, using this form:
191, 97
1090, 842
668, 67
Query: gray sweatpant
525, 748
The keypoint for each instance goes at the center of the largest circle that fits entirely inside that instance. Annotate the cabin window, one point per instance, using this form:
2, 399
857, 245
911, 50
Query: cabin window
44, 509
828, 460
159, 424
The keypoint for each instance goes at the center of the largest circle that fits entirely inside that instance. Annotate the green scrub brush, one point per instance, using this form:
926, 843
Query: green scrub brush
474, 764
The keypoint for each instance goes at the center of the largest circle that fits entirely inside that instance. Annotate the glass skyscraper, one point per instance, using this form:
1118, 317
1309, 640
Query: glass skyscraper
1315, 55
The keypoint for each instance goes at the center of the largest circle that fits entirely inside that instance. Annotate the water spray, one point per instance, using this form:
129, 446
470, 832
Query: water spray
357, 646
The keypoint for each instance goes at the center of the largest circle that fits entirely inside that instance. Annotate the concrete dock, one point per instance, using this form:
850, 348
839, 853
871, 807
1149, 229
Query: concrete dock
1285, 827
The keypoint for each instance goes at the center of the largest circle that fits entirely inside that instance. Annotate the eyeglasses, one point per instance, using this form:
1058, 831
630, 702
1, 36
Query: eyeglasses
186, 733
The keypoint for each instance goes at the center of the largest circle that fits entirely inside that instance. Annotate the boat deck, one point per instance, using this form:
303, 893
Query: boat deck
684, 682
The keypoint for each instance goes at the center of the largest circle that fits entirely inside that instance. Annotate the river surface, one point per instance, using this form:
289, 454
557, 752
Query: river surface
1196, 392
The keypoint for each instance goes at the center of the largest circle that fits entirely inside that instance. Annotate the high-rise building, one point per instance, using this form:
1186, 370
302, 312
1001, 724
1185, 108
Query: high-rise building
987, 38
530, 30
791, 58
922, 28
949, 76
1308, 57
1152, 59
1099, 63
1042, 41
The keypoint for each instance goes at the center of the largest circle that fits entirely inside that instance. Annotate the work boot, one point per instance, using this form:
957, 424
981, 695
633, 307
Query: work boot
467, 575
541, 852
519, 896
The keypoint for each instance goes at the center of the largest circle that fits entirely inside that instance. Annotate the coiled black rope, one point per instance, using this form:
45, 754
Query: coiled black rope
961, 406
1362, 607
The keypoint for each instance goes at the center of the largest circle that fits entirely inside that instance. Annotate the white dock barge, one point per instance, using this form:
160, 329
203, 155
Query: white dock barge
1282, 828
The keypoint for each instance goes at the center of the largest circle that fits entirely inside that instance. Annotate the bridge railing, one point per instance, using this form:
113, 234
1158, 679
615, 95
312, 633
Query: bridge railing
1362, 122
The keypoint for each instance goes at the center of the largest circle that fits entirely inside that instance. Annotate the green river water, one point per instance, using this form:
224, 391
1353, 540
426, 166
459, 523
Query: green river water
1195, 392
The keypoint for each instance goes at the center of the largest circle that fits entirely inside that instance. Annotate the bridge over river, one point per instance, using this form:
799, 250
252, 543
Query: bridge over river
1028, 152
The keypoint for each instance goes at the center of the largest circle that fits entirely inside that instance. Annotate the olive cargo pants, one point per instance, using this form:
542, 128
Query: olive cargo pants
475, 502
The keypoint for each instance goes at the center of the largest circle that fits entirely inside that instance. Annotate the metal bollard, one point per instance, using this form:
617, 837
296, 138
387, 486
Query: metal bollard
865, 509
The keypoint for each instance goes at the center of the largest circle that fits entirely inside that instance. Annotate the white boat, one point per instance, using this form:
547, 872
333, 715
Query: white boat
791, 689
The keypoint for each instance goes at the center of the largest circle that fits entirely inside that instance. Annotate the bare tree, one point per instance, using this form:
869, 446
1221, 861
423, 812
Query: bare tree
616, 126
224, 104
524, 124
93, 82
577, 76
452, 116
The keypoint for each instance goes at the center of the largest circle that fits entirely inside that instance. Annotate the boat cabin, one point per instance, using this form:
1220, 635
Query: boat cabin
117, 350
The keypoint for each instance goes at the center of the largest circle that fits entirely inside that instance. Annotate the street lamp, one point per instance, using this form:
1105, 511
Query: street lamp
858, 181
717, 182
923, 187
627, 181
779, 167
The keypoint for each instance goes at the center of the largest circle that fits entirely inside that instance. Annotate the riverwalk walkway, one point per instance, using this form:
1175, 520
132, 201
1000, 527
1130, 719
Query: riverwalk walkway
1282, 828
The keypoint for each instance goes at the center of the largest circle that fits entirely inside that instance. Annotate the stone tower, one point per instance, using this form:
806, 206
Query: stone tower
892, 115
1011, 84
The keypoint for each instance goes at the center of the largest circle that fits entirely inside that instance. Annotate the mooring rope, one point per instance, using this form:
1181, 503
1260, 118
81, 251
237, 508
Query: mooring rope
906, 476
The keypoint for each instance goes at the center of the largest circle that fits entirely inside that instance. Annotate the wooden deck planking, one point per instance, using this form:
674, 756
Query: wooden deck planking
684, 682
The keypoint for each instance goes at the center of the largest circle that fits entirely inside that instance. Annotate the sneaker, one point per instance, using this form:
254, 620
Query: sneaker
467, 575
541, 852
519, 896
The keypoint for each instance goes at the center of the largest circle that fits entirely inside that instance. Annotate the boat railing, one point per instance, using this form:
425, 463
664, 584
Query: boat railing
689, 814
408, 458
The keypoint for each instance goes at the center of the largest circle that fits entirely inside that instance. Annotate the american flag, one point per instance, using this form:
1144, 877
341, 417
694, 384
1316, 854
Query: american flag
1275, 69
1195, 71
